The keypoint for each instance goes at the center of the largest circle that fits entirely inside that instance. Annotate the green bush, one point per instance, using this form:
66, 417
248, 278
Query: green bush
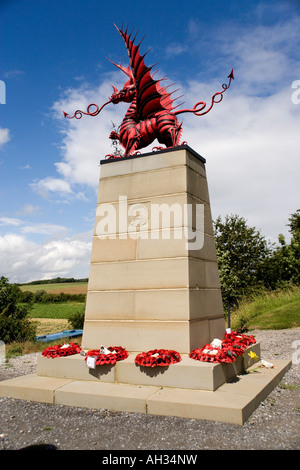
15, 324
76, 320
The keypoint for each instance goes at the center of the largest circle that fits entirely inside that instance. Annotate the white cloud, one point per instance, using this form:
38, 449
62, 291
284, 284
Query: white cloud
10, 221
51, 230
265, 56
52, 185
4, 136
44, 229
24, 261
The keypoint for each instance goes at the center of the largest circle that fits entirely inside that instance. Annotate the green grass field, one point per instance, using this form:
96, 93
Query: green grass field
61, 310
272, 311
56, 310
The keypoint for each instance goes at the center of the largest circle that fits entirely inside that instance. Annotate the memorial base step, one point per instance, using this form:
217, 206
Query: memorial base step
186, 374
232, 402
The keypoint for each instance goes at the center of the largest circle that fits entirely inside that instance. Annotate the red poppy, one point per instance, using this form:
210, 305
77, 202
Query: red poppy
232, 346
157, 357
116, 354
61, 350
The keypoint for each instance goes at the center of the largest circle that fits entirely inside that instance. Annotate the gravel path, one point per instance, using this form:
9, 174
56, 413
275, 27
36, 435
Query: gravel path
274, 425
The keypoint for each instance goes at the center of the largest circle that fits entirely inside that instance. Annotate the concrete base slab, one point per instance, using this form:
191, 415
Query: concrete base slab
114, 397
32, 388
232, 402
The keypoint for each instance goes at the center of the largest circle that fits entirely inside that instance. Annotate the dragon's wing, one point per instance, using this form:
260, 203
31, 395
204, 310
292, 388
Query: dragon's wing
151, 96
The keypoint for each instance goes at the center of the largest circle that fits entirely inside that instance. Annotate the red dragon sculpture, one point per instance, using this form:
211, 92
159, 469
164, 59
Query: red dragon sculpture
151, 114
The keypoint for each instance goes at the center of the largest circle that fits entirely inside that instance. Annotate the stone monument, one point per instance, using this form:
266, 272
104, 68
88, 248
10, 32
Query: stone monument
153, 280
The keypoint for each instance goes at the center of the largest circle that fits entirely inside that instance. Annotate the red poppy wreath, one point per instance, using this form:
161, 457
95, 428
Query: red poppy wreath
211, 353
239, 339
61, 350
157, 357
233, 345
107, 355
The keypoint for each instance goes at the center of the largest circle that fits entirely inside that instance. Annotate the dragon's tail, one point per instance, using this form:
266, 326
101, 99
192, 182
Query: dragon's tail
78, 114
201, 105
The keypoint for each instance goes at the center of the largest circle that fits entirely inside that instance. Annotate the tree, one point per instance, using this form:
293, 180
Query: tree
294, 248
15, 324
241, 253
283, 267
295, 222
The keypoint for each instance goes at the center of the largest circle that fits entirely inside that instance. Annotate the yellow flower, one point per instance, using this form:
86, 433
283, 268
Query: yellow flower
252, 355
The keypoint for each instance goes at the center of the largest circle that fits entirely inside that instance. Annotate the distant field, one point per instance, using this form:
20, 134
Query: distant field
55, 310
46, 326
67, 288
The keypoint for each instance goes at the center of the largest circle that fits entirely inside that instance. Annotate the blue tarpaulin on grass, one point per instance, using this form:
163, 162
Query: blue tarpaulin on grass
61, 334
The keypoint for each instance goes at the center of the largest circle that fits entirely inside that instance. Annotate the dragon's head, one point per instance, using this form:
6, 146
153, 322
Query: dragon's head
128, 91
126, 95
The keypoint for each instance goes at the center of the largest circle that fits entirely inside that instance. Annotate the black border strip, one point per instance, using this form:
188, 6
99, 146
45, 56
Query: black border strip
172, 149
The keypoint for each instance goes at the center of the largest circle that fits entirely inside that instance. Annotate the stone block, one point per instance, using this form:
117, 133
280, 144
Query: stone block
187, 374
113, 304
137, 335
205, 303
203, 274
143, 274
143, 185
113, 249
197, 185
114, 397
74, 367
146, 162
32, 388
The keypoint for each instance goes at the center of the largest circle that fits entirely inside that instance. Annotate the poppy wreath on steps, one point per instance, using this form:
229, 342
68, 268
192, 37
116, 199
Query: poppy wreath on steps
117, 353
61, 350
233, 345
238, 342
157, 357
211, 353
241, 340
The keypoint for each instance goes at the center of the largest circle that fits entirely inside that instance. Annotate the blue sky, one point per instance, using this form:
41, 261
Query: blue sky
53, 58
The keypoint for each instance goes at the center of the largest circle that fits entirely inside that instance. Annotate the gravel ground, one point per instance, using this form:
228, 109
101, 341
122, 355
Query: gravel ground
275, 424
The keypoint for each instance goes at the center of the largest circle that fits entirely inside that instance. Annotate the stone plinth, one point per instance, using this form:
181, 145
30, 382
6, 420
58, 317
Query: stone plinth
153, 276
186, 374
